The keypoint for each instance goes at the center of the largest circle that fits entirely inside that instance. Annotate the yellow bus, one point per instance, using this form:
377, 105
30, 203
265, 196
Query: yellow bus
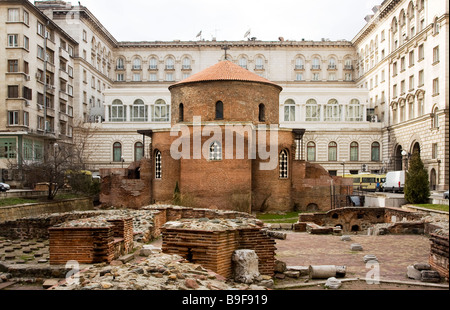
367, 181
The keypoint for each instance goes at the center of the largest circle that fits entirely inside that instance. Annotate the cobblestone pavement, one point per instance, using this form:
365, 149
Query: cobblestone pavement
23, 252
394, 253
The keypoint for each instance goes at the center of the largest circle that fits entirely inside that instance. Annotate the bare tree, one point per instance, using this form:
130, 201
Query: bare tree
52, 169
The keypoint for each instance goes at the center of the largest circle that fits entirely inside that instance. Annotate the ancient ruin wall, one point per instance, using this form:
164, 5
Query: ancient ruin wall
439, 254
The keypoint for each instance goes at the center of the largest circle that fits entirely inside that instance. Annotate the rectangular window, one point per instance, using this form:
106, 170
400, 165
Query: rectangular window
411, 82
120, 77
70, 90
394, 91
26, 18
7, 148
402, 64
13, 66
434, 150
436, 54
70, 71
84, 36
40, 52
26, 67
289, 113
348, 77
26, 118
315, 76
27, 93
411, 58
13, 118
13, 91
402, 87
40, 29
13, 40
153, 77
169, 77
436, 86
299, 77
394, 69
26, 43
421, 78
137, 77
421, 52
13, 15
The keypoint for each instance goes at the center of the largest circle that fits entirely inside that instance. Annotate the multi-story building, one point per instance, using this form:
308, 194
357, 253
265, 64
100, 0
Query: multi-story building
362, 102
37, 89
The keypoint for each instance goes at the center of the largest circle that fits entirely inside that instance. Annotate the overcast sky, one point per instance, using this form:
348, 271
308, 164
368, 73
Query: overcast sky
167, 20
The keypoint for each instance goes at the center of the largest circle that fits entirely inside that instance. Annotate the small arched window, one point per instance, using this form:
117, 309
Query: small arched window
170, 63
283, 162
160, 111
117, 111
262, 113
437, 26
158, 165
435, 117
299, 65
332, 63
333, 111
375, 151
219, 110
316, 63
312, 111
139, 111
243, 62
138, 151
332, 151
215, 151
137, 64
354, 151
186, 63
311, 151
181, 113
289, 110
259, 63
120, 64
117, 152
153, 65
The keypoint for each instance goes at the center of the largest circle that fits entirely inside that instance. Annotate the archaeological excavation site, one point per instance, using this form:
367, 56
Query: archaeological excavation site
167, 247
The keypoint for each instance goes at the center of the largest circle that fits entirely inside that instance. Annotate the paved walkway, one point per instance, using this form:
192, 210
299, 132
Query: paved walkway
394, 253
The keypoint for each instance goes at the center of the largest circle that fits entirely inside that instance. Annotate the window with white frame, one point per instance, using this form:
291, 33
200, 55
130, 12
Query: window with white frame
333, 111
153, 65
120, 77
436, 54
332, 151
289, 110
299, 76
354, 151
259, 63
120, 64
160, 111
137, 64
170, 63
316, 63
13, 118
152, 77
243, 62
355, 111
139, 111
436, 86
117, 111
169, 77
136, 77
284, 164
13, 40
348, 77
13, 15
332, 64
312, 111
299, 64
186, 63
215, 151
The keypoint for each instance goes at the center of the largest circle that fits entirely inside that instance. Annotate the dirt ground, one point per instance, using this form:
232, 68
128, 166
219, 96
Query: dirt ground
394, 253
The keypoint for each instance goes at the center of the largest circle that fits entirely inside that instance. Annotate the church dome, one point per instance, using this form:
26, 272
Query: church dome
225, 71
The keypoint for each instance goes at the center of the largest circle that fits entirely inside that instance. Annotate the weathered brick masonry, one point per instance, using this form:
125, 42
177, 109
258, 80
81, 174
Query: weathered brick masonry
213, 249
439, 254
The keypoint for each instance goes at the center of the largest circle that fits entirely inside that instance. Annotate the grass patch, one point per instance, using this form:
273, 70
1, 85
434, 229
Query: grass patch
15, 201
433, 207
288, 217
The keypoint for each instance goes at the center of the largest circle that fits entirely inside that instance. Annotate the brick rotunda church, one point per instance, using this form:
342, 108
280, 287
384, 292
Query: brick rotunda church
225, 150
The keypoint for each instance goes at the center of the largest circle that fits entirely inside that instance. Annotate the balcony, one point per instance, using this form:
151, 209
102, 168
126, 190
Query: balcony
348, 67
332, 67
315, 67
299, 67
63, 96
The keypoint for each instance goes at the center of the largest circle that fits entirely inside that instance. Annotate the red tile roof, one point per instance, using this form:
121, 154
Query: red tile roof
225, 71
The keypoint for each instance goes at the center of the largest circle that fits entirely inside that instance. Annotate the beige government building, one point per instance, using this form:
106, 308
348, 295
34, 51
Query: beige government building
363, 103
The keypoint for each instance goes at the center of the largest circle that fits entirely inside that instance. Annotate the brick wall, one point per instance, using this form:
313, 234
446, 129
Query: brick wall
86, 245
89, 245
439, 254
214, 249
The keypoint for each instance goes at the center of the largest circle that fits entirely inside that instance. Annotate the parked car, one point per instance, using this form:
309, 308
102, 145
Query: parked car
446, 195
4, 187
